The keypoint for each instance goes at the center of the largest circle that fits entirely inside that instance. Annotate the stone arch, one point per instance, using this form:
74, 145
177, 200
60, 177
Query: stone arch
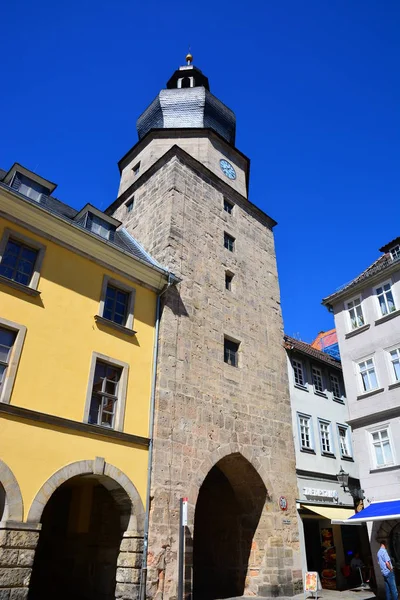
92, 467
228, 527
13, 504
215, 457
385, 530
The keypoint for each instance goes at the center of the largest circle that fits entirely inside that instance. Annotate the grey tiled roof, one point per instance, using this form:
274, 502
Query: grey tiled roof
379, 265
122, 239
293, 344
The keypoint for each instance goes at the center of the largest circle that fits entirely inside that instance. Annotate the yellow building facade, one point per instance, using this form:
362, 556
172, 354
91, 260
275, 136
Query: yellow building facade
78, 299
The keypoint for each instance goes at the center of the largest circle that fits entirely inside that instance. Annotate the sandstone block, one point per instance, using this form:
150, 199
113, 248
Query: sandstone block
26, 558
8, 557
127, 575
17, 577
129, 559
19, 593
127, 591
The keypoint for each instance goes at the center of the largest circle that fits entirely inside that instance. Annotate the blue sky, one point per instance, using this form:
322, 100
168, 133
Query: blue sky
314, 86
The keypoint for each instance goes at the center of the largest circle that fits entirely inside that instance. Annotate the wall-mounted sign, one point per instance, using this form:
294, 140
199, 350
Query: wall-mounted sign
283, 505
308, 491
286, 521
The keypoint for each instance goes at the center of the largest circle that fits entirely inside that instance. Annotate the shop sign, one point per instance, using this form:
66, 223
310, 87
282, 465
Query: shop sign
308, 491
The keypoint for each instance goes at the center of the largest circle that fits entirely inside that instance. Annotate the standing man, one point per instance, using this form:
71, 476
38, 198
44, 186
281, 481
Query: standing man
386, 567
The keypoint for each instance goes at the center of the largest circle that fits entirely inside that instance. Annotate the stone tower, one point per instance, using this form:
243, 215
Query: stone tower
222, 433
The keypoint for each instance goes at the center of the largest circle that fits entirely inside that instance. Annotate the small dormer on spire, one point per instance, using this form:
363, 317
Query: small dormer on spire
188, 76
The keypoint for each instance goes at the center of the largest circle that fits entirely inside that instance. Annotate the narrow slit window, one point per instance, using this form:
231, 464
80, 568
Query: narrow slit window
228, 281
229, 242
231, 352
228, 206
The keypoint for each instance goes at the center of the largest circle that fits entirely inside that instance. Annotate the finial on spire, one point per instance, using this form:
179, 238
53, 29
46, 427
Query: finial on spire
189, 58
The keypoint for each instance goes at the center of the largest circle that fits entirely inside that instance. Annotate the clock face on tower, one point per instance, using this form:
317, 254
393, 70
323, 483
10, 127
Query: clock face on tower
227, 168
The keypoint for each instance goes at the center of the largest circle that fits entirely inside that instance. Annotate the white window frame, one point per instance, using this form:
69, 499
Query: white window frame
311, 432
339, 384
360, 378
330, 438
353, 300
107, 280
14, 358
371, 444
321, 376
122, 389
395, 252
35, 245
348, 440
381, 285
299, 365
392, 371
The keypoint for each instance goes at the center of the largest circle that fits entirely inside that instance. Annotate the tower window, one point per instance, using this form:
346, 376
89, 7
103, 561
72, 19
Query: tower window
129, 205
228, 280
231, 352
228, 206
229, 242
136, 169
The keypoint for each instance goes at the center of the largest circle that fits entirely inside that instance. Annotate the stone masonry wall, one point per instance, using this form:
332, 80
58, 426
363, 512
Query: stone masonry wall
17, 552
206, 409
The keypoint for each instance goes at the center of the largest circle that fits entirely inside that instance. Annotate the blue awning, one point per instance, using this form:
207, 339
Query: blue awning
376, 511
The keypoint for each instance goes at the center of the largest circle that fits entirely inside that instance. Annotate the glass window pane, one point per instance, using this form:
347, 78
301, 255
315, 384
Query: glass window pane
373, 380
94, 410
2, 371
396, 366
379, 455
387, 452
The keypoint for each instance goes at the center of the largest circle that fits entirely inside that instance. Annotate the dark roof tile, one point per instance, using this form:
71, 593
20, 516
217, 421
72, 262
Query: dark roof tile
293, 344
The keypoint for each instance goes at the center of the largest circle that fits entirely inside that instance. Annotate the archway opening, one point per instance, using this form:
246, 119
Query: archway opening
82, 527
395, 550
186, 82
227, 514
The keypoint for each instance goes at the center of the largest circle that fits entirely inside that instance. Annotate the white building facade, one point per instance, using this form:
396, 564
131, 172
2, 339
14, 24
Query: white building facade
367, 317
323, 445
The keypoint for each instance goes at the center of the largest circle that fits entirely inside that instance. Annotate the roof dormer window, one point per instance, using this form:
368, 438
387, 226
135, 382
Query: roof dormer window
100, 226
28, 187
395, 252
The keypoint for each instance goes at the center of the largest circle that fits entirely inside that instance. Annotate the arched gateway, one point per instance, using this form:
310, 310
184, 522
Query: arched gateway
228, 511
91, 537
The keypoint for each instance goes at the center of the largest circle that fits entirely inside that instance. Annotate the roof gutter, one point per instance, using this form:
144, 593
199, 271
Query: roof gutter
165, 272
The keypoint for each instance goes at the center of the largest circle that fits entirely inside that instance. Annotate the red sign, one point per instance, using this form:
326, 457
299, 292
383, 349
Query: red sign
283, 505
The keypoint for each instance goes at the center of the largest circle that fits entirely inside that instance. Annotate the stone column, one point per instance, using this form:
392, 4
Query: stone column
128, 566
18, 543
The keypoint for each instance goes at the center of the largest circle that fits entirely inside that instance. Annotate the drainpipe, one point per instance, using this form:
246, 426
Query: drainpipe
172, 280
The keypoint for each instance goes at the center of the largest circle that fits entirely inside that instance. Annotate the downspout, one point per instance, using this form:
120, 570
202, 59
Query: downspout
172, 280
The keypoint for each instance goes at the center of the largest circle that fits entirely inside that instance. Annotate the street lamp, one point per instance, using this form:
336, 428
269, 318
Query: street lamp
343, 479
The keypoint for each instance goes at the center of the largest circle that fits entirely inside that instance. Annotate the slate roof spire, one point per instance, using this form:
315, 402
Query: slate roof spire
187, 103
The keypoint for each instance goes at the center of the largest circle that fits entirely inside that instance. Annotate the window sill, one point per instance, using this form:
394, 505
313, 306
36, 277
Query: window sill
384, 469
357, 331
368, 394
113, 325
322, 394
393, 386
338, 400
387, 317
19, 286
348, 458
301, 387
307, 450
328, 454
